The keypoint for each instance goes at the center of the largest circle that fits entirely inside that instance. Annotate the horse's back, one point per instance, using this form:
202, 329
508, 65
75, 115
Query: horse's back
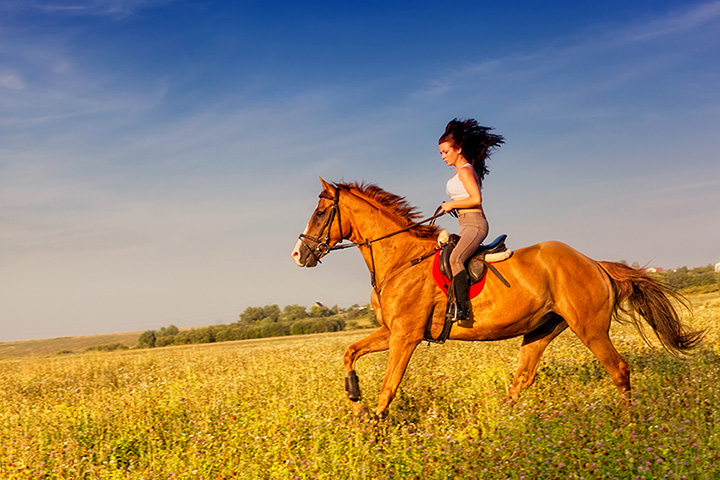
556, 272
553, 255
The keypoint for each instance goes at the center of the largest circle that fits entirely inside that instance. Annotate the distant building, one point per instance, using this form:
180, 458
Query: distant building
319, 305
717, 267
653, 269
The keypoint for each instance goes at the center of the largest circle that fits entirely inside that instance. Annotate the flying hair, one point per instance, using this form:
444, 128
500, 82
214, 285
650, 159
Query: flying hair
475, 141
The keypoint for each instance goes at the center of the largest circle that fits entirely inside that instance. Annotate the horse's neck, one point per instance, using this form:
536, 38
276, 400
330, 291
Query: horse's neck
386, 255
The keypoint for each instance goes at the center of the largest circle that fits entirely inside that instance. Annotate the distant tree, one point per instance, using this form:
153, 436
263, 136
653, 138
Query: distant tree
202, 335
147, 339
164, 341
257, 314
293, 312
372, 316
272, 312
252, 315
259, 322
317, 325
183, 338
111, 347
335, 324
678, 279
692, 281
226, 333
168, 331
252, 331
318, 311
273, 329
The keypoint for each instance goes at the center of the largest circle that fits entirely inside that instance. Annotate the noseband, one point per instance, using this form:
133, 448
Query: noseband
322, 245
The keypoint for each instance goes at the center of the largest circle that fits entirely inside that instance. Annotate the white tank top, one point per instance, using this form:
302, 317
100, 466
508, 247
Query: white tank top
455, 188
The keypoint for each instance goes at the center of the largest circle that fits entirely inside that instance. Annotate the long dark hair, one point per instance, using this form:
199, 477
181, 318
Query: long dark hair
475, 141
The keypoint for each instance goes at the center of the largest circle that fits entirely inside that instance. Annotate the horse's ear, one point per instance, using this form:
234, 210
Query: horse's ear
326, 186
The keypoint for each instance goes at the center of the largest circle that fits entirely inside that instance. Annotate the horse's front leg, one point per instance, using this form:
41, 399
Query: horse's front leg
377, 341
401, 349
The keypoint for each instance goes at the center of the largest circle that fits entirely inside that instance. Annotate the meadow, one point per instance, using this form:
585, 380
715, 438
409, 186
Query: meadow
276, 409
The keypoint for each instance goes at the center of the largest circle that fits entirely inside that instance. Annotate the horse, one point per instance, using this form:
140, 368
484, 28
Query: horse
552, 287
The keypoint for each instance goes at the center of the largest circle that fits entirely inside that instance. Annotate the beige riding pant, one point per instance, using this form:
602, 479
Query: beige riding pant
473, 230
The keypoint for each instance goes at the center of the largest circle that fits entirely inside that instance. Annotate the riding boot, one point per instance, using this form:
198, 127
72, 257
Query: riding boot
458, 309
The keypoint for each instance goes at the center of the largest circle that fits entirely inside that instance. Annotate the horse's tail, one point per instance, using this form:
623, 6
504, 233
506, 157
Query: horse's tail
639, 295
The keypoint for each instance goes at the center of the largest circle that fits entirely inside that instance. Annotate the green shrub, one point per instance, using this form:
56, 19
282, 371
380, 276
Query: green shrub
108, 348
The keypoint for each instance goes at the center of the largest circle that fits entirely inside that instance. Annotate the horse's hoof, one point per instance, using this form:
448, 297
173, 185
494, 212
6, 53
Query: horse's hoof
361, 410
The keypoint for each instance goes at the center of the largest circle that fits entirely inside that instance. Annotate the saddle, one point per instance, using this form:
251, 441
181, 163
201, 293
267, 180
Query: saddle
483, 257
495, 251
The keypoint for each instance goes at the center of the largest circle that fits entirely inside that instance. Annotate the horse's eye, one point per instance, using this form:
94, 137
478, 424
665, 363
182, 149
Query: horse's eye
320, 214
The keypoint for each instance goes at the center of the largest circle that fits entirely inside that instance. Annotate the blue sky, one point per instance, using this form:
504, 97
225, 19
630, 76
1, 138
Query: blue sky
159, 158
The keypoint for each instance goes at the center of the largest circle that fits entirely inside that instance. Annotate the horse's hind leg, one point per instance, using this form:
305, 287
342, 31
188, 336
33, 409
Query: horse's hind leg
377, 341
533, 346
598, 341
591, 323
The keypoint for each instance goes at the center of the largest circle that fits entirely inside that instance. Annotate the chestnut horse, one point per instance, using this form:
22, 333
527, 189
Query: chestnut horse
552, 287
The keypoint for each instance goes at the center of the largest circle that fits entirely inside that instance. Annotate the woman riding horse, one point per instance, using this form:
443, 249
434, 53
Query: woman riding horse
552, 287
466, 146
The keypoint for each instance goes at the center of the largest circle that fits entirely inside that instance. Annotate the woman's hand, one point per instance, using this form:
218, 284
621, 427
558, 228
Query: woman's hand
447, 206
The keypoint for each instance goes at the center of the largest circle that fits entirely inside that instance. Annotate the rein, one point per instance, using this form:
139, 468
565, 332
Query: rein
323, 245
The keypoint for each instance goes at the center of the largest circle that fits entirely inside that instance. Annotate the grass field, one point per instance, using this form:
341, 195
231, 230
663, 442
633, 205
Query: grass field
53, 346
276, 409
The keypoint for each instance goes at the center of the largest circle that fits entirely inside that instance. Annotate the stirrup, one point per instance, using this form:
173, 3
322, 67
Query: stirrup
451, 315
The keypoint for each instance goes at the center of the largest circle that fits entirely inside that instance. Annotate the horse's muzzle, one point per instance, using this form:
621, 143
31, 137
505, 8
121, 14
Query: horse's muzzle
303, 256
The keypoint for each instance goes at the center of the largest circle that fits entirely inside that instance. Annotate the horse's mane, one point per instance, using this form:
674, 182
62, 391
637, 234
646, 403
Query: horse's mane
395, 204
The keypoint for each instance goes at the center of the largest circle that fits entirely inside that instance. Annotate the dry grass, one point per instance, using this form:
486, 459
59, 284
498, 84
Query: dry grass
53, 346
275, 409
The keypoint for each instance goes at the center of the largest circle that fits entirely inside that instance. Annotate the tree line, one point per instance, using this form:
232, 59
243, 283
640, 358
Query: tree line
692, 281
689, 281
271, 321
264, 322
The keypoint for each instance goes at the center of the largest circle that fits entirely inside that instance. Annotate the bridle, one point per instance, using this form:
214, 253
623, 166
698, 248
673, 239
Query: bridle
322, 245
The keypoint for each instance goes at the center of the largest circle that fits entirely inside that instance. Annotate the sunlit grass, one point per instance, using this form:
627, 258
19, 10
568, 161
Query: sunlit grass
276, 409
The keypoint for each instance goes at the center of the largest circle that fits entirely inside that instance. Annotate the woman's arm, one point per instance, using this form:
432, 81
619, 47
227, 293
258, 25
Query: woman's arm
467, 178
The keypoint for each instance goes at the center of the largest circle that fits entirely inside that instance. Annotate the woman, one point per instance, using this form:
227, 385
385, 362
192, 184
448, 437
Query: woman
466, 146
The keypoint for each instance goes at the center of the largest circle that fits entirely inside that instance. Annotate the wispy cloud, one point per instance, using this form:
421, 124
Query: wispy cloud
598, 52
44, 81
675, 22
12, 81
95, 8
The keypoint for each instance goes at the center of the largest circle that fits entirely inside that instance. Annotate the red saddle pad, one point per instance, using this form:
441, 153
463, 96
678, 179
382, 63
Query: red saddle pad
443, 282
